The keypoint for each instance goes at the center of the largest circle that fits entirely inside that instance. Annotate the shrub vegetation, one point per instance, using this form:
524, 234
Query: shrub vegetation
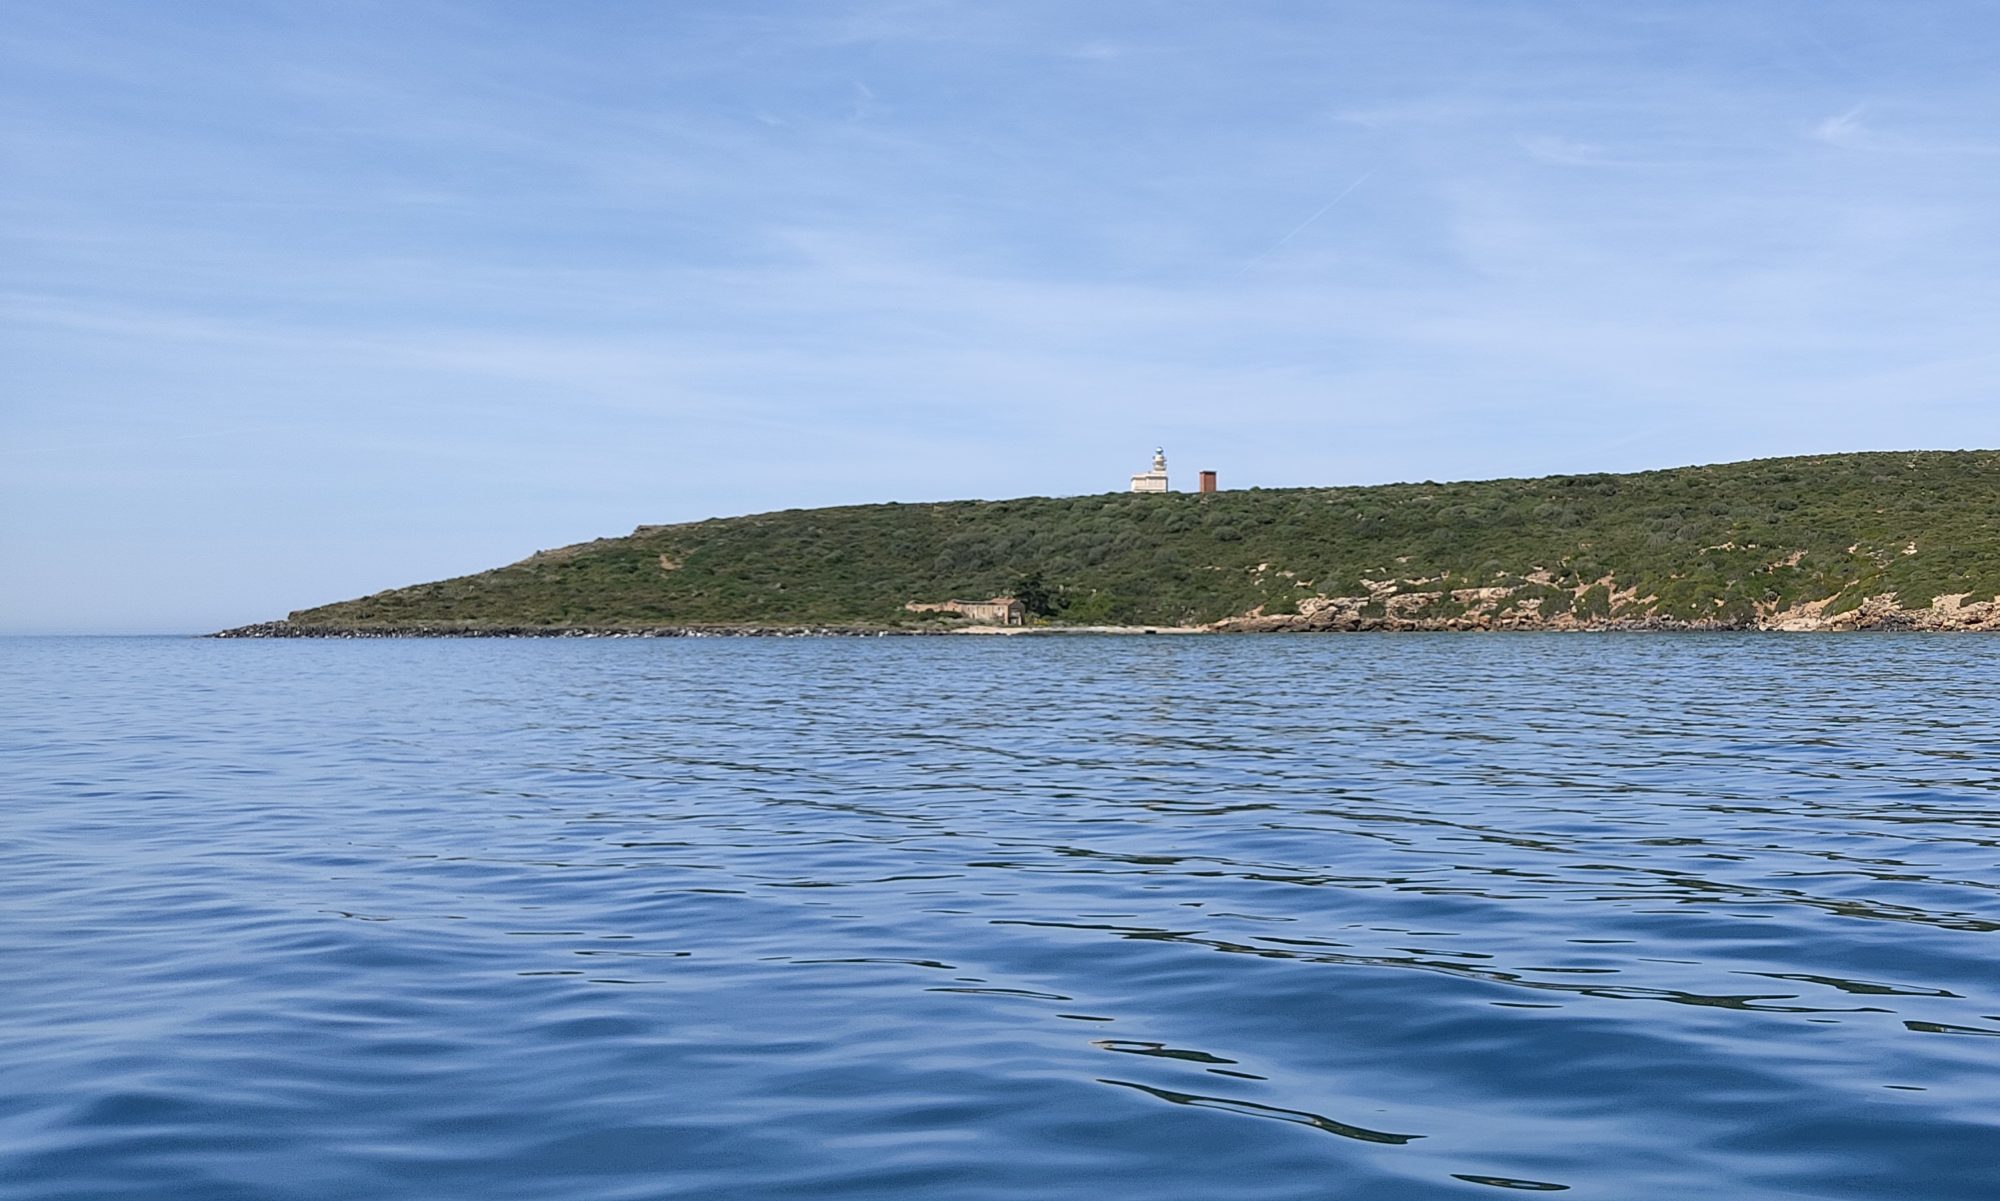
1701, 542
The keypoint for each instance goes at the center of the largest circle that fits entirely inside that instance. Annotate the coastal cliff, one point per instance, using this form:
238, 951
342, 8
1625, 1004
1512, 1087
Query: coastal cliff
1880, 540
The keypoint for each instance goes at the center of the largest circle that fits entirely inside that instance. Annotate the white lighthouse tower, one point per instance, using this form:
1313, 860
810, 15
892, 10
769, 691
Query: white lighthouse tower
1154, 480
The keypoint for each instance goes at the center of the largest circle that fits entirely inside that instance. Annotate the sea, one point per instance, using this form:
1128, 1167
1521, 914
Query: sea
1398, 916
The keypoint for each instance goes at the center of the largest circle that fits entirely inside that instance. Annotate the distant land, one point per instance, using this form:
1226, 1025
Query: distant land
1881, 540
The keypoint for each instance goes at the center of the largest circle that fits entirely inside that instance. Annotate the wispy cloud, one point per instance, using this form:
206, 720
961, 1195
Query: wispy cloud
1848, 131
1842, 129
1564, 152
1429, 111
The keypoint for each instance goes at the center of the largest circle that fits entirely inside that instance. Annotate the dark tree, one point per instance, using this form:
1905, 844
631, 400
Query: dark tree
1037, 597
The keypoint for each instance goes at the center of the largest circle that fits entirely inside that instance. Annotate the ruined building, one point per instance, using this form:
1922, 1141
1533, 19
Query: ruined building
1000, 611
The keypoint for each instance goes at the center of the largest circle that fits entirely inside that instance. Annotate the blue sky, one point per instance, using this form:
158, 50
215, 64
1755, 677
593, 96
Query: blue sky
301, 301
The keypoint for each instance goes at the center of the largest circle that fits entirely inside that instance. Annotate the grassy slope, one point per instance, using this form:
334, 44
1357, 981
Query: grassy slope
1705, 541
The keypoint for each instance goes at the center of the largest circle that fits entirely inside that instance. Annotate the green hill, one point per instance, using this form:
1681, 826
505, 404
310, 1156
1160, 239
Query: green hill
1737, 544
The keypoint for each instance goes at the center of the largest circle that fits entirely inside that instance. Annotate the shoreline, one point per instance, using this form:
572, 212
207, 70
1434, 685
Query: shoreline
282, 630
1899, 621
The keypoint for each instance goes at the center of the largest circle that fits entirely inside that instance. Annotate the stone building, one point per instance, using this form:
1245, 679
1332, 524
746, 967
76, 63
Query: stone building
1154, 480
1000, 611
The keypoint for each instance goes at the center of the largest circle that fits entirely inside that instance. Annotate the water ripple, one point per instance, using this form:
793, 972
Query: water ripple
1617, 916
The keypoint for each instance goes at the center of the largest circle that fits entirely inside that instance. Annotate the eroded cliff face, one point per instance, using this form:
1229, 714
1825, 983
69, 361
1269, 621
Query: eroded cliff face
1406, 605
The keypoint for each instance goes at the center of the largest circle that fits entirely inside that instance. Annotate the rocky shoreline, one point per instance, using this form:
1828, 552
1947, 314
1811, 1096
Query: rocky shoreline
1345, 614
1487, 609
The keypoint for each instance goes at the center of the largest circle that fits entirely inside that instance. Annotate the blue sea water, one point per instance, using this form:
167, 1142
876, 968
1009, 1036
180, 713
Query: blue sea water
1627, 916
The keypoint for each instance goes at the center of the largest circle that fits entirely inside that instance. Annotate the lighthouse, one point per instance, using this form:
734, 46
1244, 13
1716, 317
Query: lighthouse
1154, 480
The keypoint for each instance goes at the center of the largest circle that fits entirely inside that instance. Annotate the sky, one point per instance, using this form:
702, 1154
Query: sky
303, 301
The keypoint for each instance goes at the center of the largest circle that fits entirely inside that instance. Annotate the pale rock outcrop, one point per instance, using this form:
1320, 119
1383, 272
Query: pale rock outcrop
1387, 607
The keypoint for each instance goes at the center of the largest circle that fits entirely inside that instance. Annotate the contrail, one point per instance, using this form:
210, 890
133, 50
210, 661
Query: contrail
1278, 245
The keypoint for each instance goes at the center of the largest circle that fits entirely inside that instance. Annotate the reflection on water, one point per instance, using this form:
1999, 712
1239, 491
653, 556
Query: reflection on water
1627, 917
1254, 1110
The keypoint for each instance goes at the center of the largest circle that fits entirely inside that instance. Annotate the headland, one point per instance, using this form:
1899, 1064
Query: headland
1866, 541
